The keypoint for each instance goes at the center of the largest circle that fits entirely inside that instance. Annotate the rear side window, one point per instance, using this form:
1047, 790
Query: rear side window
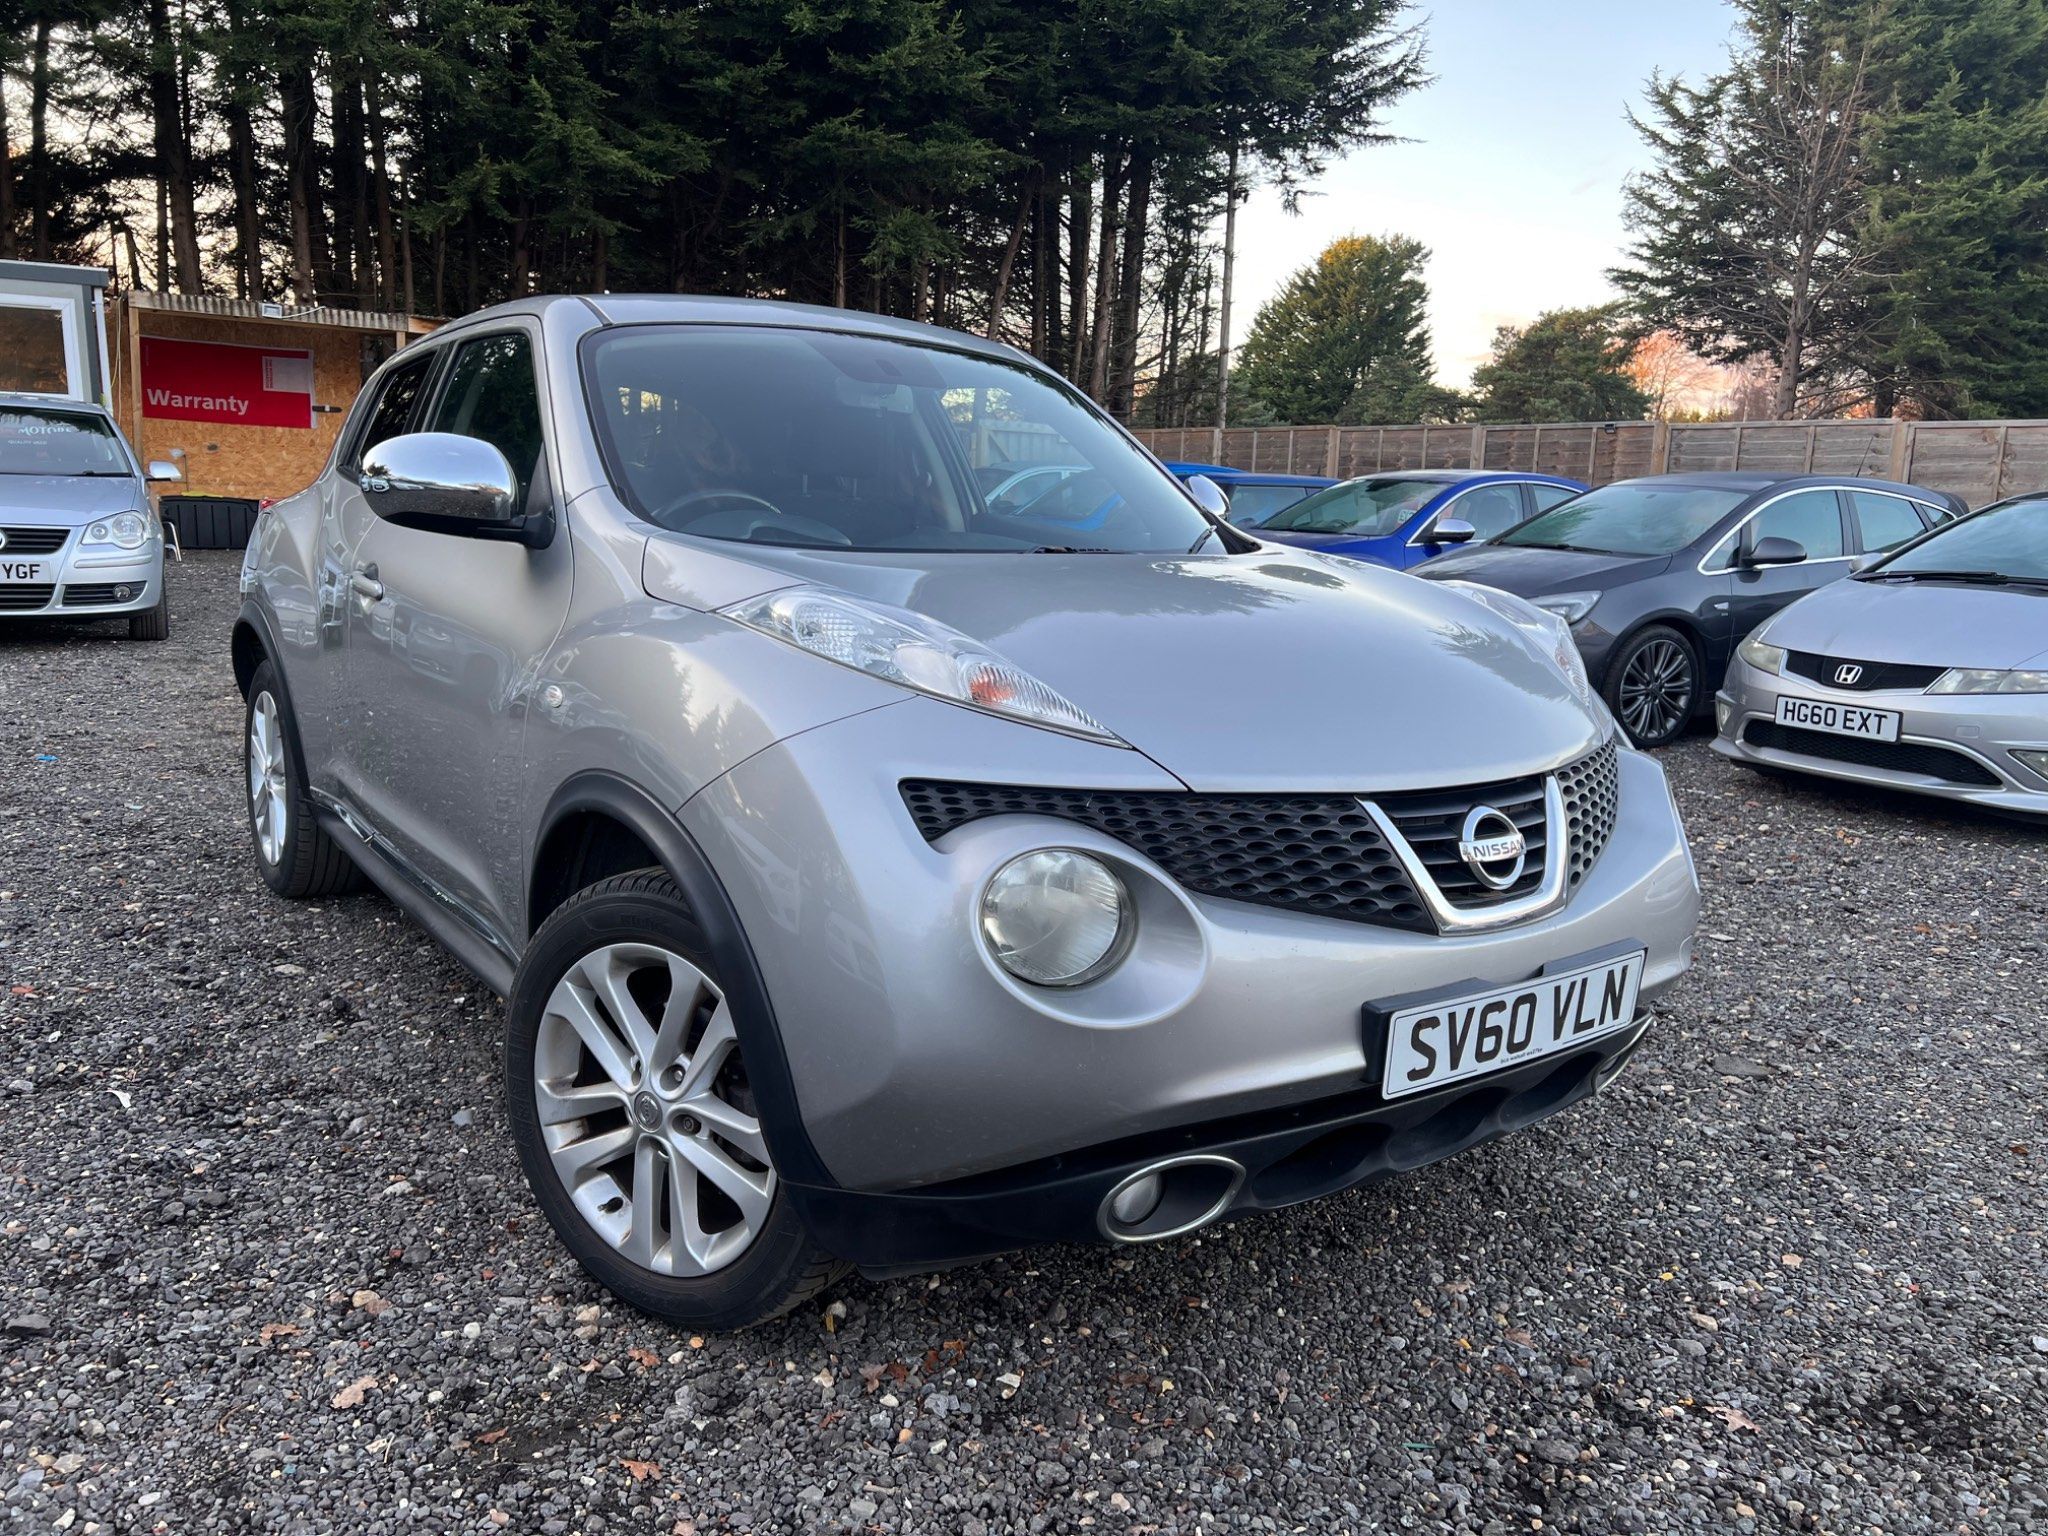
1886, 521
491, 395
397, 396
1251, 505
1548, 496
1810, 519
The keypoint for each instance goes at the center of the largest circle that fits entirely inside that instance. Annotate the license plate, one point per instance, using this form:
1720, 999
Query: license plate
1451, 1039
21, 570
1839, 719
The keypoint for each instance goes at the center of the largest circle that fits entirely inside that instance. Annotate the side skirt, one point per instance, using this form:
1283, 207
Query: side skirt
449, 924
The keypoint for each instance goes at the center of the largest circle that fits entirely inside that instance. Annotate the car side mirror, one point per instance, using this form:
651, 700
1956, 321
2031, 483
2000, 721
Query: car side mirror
444, 483
162, 469
1452, 530
1209, 496
1774, 551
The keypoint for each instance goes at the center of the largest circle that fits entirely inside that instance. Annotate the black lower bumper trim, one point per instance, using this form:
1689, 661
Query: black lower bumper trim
1289, 1155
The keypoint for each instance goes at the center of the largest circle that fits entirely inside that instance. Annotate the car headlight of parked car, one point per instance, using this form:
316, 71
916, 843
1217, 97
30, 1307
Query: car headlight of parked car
1056, 917
1969, 680
909, 649
1569, 606
124, 530
1552, 628
1765, 658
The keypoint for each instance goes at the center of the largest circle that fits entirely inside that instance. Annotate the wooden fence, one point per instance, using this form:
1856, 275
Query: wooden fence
1979, 461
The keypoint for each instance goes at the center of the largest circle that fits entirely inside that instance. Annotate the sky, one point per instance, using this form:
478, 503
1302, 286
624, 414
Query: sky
1513, 174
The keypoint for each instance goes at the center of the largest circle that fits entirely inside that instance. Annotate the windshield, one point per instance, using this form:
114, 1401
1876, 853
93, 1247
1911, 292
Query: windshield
1370, 508
825, 440
2009, 540
34, 441
1628, 519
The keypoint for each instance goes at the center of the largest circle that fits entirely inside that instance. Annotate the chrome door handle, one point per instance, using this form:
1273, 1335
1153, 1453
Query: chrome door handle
364, 583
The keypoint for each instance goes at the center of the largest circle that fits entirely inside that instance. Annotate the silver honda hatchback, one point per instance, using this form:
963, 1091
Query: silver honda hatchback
879, 873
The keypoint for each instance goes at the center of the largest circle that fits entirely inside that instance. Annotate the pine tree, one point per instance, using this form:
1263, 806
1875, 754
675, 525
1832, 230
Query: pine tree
1345, 339
1565, 365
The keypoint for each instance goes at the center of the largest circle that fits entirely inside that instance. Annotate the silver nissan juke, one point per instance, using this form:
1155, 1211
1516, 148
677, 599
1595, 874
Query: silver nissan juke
1926, 671
882, 875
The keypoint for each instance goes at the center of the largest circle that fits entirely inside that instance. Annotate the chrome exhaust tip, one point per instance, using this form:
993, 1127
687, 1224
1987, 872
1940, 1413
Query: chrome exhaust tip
1169, 1198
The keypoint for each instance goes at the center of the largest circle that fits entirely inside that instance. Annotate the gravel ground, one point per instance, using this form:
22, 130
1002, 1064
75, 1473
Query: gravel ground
266, 1261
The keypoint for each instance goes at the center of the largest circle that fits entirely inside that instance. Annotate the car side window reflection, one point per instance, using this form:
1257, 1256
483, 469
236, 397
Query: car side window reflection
391, 416
491, 395
1810, 519
1491, 509
1886, 521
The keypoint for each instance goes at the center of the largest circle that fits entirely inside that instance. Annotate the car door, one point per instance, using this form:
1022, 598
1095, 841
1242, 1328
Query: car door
322, 706
1812, 518
445, 640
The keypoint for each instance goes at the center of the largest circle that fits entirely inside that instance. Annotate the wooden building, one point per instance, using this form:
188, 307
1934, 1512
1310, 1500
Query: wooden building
246, 397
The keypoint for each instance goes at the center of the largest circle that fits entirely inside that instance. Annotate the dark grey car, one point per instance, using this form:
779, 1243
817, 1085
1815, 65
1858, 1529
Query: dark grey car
1660, 578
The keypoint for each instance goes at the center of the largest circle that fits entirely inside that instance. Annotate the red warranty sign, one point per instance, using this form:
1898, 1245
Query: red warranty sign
217, 381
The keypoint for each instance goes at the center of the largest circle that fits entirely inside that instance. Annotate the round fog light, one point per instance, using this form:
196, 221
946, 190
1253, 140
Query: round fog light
1056, 918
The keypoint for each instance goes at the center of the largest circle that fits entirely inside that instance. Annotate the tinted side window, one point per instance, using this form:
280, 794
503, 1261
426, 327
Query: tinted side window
391, 415
1885, 520
1492, 509
1548, 496
1810, 519
491, 395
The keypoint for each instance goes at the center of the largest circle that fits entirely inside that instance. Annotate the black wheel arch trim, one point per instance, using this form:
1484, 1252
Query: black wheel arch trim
605, 793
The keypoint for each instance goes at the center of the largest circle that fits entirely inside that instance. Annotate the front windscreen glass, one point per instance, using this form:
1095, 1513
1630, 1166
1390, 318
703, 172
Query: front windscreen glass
1365, 509
43, 442
1628, 520
2007, 541
824, 440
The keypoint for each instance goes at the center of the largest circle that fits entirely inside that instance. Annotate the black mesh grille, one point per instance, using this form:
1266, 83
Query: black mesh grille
1875, 677
15, 598
1591, 789
1895, 756
35, 541
1311, 853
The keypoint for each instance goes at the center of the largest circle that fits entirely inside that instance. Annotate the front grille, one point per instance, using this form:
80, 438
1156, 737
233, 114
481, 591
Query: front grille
1433, 823
89, 593
1591, 789
1308, 853
1896, 756
34, 541
1876, 677
26, 599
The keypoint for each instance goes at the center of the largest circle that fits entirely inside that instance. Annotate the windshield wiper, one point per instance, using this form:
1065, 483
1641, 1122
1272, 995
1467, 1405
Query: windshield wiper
1974, 578
1070, 549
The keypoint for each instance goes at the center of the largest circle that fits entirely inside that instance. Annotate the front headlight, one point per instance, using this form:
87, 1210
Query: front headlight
1056, 918
1550, 627
909, 649
124, 530
1968, 680
1569, 606
1765, 658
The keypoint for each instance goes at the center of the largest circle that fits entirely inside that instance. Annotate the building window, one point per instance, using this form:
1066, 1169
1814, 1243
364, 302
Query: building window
33, 357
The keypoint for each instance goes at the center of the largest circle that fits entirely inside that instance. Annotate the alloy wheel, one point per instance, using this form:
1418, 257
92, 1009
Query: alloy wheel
646, 1112
1656, 690
268, 811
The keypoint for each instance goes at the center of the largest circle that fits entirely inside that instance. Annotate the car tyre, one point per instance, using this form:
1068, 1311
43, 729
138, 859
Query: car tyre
1653, 685
293, 852
626, 1091
153, 623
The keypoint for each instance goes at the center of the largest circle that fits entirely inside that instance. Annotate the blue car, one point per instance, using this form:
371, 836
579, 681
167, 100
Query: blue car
1255, 495
1402, 517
